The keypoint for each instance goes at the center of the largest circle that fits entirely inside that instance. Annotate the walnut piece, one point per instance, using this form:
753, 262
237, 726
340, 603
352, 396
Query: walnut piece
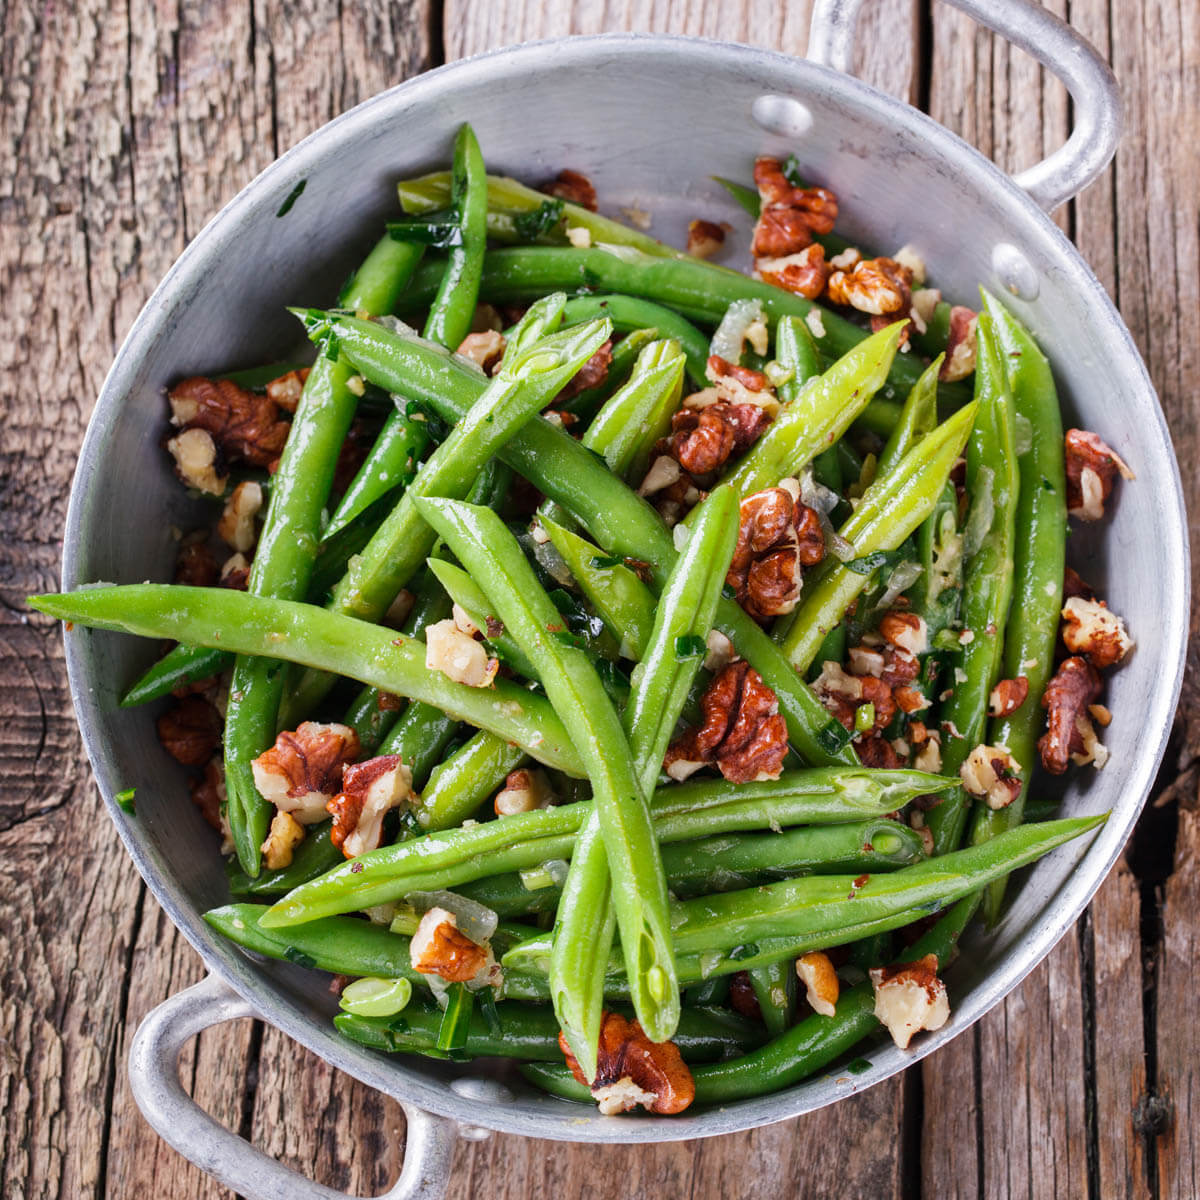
876, 286
704, 439
743, 732
815, 971
1091, 629
742, 996
1092, 469
572, 187
992, 773
805, 272
704, 238
1007, 696
788, 215
195, 565
303, 769
190, 731
247, 427
208, 795
910, 997
235, 572
960, 345
485, 350
524, 790
438, 947
198, 462
1075, 685
458, 655
593, 373
286, 390
236, 526
285, 834
369, 791
904, 630
631, 1070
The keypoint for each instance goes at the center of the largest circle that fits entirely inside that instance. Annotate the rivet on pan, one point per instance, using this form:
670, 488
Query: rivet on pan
783, 115
1015, 271
489, 1091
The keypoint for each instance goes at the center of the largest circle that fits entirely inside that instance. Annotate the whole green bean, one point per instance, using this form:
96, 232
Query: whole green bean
287, 547
1038, 560
993, 485
890, 510
638, 887
796, 350
325, 641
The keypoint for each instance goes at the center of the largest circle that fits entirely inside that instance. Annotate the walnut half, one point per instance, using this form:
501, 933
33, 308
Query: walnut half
910, 997
369, 791
303, 769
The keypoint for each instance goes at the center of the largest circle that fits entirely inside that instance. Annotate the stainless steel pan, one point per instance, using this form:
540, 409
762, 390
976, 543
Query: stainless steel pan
650, 119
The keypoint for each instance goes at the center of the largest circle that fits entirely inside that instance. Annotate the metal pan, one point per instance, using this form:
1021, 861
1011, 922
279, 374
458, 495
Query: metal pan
685, 110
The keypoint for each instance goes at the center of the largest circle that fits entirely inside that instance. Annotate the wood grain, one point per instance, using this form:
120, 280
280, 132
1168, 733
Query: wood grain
123, 129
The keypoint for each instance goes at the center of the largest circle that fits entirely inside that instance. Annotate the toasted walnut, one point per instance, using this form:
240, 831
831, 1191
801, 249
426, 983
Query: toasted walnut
458, 656
777, 536
703, 440
485, 349
304, 768
438, 947
285, 834
524, 790
286, 390
369, 791
929, 756
190, 732
246, 426
743, 732
909, 256
235, 572
910, 997
1092, 469
664, 472
1007, 696
924, 306
877, 286
704, 238
876, 751
208, 795
960, 345
843, 694
788, 216
815, 971
593, 373
739, 386
572, 187
742, 996
805, 273
992, 773
195, 565
1075, 685
1075, 585
631, 1069
236, 526
198, 462
905, 630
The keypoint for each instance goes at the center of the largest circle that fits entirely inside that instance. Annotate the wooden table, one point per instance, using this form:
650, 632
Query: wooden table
124, 129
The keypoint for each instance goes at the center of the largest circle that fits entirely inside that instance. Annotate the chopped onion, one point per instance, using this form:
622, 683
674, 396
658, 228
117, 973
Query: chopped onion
552, 873
474, 920
730, 336
1023, 442
816, 495
902, 578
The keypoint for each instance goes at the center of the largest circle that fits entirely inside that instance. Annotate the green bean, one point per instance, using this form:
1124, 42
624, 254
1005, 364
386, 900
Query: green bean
620, 521
325, 641
180, 667
700, 291
796, 350
585, 927
890, 510
918, 418
680, 812
630, 313
1039, 555
638, 887
775, 990
993, 486
287, 547
314, 856
821, 412
460, 784
624, 354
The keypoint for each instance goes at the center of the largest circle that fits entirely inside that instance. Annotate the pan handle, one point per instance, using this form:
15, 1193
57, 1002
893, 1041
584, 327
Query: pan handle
175, 1116
1089, 79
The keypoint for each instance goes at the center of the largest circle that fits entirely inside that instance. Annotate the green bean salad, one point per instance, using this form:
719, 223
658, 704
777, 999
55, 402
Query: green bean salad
619, 663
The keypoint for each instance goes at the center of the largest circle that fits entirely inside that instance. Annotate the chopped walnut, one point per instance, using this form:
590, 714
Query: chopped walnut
805, 272
777, 536
195, 565
910, 997
843, 694
704, 238
247, 427
1075, 585
631, 1069
303, 769
704, 439
742, 996
924, 306
739, 386
664, 472
369, 791
190, 732
285, 834
876, 751
235, 572
1092, 469
208, 795
458, 655
929, 756
960, 345
788, 216
524, 790
815, 971
904, 630
1007, 696
236, 526
992, 773
877, 286
909, 256
572, 187
743, 732
198, 462
593, 373
1075, 685
438, 947
485, 350
286, 390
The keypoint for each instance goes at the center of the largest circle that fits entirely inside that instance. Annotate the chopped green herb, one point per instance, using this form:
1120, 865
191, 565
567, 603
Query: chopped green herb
456, 1020
295, 955
691, 645
293, 196
859, 1066
746, 950
125, 801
